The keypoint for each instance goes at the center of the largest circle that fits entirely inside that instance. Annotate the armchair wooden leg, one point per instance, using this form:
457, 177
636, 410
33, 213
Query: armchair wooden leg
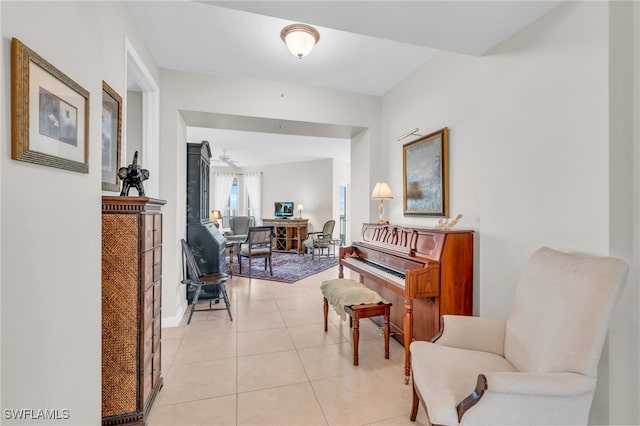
270, 268
414, 407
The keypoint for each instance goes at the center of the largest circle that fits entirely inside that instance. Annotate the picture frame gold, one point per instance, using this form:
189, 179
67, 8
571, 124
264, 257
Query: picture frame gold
111, 138
426, 175
49, 113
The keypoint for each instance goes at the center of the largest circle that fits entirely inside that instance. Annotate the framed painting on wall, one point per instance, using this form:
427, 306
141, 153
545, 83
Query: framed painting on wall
49, 113
426, 175
111, 138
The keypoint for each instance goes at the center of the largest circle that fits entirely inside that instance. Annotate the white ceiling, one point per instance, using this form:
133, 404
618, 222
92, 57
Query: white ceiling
245, 148
365, 47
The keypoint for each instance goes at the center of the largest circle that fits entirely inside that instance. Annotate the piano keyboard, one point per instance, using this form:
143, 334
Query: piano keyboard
377, 269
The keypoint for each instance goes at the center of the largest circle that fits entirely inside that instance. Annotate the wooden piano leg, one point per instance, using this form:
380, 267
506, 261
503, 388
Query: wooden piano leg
408, 337
325, 308
356, 336
387, 333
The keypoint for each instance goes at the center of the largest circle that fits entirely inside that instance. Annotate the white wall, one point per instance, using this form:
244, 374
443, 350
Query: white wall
134, 128
341, 177
2, 72
173, 188
529, 155
363, 179
527, 142
51, 219
623, 355
309, 183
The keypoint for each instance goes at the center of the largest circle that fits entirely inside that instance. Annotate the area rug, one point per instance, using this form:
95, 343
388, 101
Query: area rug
287, 267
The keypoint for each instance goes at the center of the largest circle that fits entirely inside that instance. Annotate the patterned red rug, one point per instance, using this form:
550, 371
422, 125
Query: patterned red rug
287, 267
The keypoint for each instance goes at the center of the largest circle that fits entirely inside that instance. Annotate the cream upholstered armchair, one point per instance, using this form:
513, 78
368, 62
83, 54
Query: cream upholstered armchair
537, 367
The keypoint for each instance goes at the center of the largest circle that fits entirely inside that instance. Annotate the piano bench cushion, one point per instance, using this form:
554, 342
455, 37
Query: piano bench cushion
344, 292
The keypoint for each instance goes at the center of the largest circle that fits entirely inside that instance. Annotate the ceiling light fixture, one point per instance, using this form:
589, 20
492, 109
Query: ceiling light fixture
300, 38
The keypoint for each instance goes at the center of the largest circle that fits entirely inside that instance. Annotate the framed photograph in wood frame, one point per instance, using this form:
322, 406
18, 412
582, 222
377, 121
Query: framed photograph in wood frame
111, 138
426, 175
49, 113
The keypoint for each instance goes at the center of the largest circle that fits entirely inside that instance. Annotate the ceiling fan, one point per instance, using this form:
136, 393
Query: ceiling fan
225, 160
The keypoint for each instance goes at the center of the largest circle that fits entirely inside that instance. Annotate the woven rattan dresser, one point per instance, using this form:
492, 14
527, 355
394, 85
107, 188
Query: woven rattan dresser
131, 296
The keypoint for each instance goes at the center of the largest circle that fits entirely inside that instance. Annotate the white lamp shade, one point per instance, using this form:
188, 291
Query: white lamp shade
300, 207
214, 215
300, 39
299, 43
382, 192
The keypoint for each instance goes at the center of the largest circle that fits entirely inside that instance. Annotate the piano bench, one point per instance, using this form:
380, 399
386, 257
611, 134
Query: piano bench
343, 289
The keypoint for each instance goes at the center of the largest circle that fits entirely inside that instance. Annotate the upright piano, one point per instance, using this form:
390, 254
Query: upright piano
424, 273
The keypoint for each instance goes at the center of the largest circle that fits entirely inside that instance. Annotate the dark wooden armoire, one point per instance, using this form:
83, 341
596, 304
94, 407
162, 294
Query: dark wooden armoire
206, 241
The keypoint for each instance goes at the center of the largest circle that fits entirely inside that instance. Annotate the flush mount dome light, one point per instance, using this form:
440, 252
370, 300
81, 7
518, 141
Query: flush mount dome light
300, 38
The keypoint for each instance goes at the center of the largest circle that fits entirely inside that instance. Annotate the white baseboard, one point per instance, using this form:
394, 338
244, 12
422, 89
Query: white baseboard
174, 321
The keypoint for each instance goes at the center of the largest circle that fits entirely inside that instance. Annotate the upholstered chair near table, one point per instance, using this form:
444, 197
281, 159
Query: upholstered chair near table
321, 240
539, 366
239, 228
259, 244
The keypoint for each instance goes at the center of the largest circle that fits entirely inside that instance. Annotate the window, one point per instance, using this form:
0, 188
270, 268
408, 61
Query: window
232, 203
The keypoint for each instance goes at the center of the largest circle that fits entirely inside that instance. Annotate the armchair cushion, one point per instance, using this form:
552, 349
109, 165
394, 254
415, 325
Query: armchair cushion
244, 250
344, 292
449, 375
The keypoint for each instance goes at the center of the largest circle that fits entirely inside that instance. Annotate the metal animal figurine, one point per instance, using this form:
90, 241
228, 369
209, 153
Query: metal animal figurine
133, 175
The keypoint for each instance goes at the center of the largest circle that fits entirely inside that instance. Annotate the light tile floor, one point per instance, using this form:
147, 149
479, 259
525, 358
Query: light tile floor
274, 365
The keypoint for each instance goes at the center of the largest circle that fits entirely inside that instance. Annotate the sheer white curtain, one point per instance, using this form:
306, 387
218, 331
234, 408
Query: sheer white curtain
253, 182
222, 183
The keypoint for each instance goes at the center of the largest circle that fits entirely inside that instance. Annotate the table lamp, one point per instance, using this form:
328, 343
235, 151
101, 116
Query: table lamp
214, 215
300, 208
381, 192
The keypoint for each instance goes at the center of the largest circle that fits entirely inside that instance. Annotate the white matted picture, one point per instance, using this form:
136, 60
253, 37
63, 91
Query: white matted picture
49, 113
